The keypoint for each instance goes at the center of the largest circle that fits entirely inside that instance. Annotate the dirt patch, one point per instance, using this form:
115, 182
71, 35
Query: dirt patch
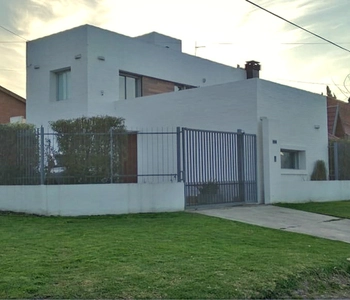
334, 286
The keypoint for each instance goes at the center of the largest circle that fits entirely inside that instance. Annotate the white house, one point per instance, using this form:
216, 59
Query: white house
85, 70
151, 83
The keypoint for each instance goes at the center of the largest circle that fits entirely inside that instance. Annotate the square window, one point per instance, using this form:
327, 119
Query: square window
292, 159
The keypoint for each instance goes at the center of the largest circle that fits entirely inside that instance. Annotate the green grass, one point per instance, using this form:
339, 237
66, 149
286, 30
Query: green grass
339, 209
170, 255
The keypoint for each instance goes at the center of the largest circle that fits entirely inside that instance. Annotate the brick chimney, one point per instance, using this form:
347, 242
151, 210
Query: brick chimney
252, 68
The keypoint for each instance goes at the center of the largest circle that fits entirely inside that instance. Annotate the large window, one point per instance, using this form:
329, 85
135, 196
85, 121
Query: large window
62, 84
129, 86
292, 159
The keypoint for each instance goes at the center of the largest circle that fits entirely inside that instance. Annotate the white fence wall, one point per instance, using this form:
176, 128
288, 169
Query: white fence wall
316, 191
96, 199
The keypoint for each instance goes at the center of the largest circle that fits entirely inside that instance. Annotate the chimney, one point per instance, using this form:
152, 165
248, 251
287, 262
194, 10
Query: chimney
252, 68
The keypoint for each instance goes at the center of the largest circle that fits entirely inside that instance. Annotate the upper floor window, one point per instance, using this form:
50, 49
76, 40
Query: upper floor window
129, 86
63, 84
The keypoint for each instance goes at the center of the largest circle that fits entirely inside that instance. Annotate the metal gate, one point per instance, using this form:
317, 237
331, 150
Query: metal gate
218, 167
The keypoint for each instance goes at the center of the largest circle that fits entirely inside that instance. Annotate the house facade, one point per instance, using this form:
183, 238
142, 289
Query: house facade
12, 106
338, 113
86, 70
147, 80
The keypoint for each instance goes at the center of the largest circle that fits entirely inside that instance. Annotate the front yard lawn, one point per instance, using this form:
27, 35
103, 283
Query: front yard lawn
169, 255
339, 209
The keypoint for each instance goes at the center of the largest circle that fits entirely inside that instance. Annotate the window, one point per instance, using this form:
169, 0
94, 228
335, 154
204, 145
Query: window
129, 86
62, 84
292, 159
181, 87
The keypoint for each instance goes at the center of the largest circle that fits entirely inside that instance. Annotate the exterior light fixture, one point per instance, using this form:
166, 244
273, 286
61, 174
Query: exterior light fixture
78, 56
36, 67
101, 58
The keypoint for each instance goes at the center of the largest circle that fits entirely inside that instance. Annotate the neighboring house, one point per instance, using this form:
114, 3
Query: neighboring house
338, 113
148, 81
11, 106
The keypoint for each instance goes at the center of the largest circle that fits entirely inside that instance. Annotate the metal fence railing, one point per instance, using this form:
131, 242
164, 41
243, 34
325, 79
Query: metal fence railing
19, 157
339, 160
219, 167
37, 157
216, 167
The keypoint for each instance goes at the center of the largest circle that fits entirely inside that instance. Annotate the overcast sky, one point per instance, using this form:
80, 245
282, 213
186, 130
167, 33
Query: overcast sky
226, 31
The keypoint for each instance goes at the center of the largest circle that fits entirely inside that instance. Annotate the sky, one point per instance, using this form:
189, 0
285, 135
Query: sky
225, 31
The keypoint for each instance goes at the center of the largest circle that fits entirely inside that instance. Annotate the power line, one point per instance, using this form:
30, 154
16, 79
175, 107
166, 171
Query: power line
12, 42
308, 31
13, 70
305, 82
308, 43
13, 33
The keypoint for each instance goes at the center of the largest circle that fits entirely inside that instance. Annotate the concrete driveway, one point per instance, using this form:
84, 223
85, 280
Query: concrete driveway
285, 219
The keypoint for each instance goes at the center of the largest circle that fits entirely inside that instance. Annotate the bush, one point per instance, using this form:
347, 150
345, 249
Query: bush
19, 154
90, 152
319, 172
209, 188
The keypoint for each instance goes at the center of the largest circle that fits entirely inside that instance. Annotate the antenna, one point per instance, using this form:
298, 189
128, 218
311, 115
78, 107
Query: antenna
196, 47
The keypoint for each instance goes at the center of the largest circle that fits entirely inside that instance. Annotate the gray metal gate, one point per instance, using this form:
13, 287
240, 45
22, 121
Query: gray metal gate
218, 167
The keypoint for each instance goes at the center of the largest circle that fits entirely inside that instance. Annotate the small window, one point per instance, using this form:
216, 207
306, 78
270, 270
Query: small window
181, 87
292, 159
129, 86
62, 84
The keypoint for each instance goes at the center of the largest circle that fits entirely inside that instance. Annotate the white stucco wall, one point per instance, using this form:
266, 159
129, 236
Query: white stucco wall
224, 107
91, 76
49, 54
97, 199
290, 116
316, 191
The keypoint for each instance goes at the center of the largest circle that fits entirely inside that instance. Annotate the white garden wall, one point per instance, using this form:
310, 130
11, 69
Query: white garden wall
97, 199
316, 191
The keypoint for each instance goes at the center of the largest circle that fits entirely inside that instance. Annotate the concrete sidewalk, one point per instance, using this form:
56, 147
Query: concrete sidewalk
285, 219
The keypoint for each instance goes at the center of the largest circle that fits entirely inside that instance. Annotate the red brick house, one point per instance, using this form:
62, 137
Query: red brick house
11, 105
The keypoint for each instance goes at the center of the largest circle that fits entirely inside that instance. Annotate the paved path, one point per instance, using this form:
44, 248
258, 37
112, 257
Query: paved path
285, 219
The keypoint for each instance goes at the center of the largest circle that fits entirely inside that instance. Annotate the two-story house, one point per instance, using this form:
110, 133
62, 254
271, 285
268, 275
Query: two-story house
147, 80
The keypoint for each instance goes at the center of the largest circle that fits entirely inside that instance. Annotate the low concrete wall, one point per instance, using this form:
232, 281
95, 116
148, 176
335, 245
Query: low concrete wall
97, 199
316, 191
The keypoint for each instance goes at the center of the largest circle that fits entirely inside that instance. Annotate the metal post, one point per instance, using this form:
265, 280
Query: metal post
42, 156
178, 153
240, 162
336, 161
111, 152
184, 155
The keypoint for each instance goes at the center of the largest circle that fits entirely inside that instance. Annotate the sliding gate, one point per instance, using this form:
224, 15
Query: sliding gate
218, 167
